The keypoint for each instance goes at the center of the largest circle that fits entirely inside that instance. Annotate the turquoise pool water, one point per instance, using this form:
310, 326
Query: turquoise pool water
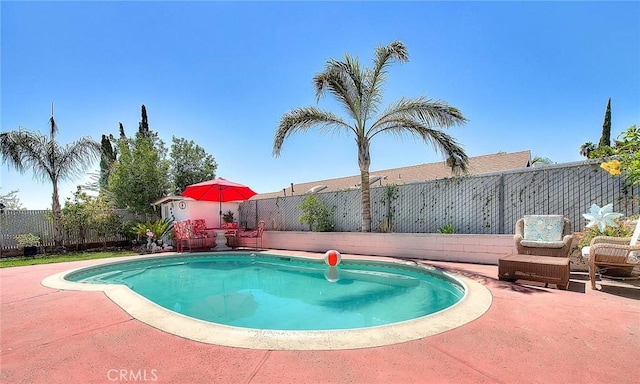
282, 292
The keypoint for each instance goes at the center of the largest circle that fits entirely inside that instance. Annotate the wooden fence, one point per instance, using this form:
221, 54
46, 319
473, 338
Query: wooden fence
37, 222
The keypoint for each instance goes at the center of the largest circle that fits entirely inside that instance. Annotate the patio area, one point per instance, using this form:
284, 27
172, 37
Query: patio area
530, 334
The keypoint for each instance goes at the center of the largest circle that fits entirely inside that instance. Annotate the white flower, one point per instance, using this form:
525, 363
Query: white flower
602, 217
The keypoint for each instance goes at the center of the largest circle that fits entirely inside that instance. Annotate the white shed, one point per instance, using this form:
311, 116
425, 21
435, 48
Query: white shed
178, 208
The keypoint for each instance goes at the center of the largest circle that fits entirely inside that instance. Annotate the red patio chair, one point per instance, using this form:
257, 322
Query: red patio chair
253, 236
199, 235
231, 234
180, 234
193, 234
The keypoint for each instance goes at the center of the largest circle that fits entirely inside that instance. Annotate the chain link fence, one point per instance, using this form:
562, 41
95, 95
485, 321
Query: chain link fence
484, 204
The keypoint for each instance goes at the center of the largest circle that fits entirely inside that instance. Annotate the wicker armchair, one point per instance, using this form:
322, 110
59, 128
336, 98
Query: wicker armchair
558, 248
616, 252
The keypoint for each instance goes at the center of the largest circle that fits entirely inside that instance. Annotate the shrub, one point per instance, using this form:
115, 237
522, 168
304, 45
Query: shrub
448, 229
626, 153
84, 213
624, 229
160, 228
27, 240
316, 215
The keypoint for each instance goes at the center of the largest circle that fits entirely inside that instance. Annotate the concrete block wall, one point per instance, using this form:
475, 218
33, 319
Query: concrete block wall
478, 249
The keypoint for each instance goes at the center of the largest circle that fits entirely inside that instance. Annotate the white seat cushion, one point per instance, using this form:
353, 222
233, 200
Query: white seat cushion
542, 244
635, 236
633, 256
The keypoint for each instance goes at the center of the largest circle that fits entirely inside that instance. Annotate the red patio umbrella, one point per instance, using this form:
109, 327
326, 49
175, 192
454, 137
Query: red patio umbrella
219, 189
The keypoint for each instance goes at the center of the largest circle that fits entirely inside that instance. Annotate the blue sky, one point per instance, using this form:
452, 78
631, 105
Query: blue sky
528, 76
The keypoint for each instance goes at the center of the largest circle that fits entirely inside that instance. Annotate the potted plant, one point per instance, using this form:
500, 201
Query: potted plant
228, 217
29, 243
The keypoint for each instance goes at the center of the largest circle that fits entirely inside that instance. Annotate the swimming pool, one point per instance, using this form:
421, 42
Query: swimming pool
367, 303
283, 293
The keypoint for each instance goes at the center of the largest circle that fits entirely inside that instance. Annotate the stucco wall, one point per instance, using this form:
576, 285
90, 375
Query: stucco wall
194, 209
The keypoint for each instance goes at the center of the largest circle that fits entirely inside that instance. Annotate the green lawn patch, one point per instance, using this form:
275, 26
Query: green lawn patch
60, 258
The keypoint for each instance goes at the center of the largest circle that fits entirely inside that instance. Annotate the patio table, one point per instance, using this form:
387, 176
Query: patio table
221, 238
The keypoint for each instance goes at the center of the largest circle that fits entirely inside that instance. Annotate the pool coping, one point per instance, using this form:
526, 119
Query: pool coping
476, 301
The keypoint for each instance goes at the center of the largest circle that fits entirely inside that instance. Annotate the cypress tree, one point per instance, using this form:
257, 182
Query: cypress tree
106, 161
122, 135
144, 124
605, 139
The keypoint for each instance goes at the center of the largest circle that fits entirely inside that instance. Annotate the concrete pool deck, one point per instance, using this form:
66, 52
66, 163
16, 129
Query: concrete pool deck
476, 301
530, 334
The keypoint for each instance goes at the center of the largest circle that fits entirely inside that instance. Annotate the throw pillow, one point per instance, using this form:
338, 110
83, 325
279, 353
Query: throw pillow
543, 227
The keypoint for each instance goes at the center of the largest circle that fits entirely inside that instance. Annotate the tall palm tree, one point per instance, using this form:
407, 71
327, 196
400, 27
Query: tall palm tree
49, 161
359, 90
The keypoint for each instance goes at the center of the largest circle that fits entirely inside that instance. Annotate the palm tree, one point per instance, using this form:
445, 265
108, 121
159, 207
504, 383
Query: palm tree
49, 161
587, 148
359, 90
540, 160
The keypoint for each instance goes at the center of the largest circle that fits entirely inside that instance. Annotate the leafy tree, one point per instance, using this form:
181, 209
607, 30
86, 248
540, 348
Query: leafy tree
601, 152
626, 155
140, 173
84, 213
359, 91
605, 139
105, 220
122, 175
49, 161
190, 164
11, 200
76, 215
